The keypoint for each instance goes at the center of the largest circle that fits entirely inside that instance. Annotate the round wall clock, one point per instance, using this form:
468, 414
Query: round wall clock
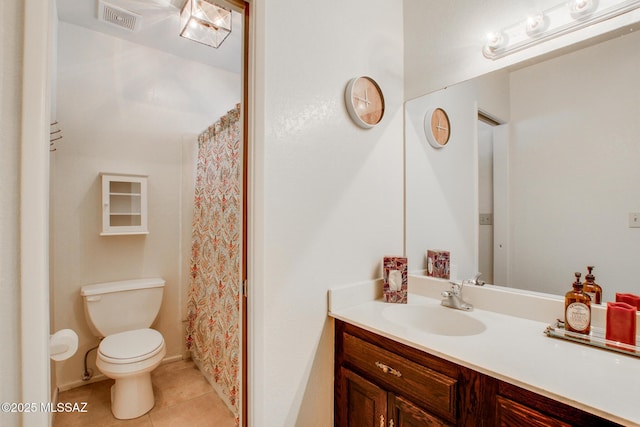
365, 102
437, 127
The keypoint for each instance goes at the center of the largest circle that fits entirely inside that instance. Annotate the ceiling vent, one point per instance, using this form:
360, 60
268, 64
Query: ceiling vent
118, 16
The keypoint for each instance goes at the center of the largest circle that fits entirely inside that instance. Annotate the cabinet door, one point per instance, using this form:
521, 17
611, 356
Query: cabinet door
403, 413
512, 413
362, 403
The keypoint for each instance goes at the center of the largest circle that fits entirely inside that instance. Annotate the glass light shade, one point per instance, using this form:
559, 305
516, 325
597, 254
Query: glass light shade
495, 41
581, 8
536, 24
205, 22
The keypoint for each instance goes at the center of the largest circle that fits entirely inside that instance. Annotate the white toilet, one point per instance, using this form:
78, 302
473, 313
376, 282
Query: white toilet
122, 313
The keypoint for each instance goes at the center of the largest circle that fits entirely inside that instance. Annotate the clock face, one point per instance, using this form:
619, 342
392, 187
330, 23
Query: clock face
365, 102
437, 127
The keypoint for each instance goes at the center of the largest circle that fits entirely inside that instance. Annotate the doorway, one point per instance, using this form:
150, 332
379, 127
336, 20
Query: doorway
493, 199
43, 388
485, 198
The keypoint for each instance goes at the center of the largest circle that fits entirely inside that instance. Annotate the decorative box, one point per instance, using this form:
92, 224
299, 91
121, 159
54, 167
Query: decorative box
438, 263
621, 323
631, 299
394, 270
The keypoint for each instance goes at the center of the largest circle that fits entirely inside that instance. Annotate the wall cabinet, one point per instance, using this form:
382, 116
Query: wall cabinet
124, 204
383, 383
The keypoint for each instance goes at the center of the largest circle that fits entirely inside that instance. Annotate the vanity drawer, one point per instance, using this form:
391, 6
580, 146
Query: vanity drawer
421, 385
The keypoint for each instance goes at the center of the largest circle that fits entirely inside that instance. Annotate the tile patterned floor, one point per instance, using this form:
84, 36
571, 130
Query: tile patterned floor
183, 398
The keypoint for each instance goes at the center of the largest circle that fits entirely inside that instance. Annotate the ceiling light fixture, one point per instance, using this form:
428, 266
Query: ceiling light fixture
554, 22
205, 22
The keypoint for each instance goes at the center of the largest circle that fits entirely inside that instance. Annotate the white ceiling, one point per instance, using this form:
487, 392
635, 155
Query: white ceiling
159, 29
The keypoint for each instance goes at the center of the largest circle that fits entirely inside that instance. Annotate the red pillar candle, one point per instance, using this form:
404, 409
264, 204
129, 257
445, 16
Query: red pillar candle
630, 299
621, 323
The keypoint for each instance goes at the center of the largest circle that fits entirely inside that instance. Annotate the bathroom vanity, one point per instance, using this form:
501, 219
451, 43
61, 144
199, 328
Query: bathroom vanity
388, 383
395, 367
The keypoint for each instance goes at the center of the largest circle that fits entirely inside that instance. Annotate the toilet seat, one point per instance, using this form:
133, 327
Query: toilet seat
131, 346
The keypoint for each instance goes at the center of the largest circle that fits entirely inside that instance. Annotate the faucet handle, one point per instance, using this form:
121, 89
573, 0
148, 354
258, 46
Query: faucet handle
456, 287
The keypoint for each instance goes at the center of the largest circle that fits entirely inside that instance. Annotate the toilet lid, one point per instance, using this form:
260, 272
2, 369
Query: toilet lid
131, 344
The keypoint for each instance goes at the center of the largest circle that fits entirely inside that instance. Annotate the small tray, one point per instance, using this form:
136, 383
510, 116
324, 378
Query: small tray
595, 339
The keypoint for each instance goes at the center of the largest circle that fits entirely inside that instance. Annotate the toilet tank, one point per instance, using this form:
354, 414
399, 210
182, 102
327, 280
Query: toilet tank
122, 306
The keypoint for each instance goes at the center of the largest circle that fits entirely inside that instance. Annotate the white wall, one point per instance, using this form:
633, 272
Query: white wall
331, 192
11, 27
128, 109
575, 175
441, 189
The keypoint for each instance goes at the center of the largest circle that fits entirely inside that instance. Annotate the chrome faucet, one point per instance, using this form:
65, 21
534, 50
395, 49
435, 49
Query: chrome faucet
453, 297
476, 280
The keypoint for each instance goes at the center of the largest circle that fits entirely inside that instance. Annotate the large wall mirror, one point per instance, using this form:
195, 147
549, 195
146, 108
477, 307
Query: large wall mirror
559, 177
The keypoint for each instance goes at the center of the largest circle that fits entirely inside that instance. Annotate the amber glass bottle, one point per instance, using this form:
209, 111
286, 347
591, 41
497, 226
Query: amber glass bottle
577, 309
591, 288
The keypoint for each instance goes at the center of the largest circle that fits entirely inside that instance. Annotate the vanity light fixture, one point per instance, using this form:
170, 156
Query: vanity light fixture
205, 22
556, 21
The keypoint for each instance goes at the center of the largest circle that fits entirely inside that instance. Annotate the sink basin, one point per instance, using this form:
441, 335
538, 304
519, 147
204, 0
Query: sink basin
434, 319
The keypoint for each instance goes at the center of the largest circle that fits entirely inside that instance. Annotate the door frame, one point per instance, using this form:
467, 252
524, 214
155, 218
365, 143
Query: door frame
243, 7
35, 375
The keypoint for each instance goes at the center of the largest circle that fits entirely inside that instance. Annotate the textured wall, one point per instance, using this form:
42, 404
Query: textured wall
330, 192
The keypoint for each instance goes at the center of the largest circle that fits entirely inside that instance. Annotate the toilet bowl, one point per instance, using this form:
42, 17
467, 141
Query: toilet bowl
129, 357
122, 312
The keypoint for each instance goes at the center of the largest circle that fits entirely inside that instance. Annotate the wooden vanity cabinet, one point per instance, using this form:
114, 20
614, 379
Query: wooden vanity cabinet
383, 383
516, 406
386, 383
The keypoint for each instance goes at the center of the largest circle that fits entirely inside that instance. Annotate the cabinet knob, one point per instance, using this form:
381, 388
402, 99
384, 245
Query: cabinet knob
388, 369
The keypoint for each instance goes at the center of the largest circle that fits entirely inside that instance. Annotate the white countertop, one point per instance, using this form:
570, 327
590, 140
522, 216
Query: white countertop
512, 348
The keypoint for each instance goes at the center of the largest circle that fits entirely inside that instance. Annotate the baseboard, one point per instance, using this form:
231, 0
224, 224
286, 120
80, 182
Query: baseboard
79, 383
100, 377
172, 359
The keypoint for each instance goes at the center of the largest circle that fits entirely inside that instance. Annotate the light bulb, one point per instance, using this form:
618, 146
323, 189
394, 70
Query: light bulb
581, 8
536, 24
495, 40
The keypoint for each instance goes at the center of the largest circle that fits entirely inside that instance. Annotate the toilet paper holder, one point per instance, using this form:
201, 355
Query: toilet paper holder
63, 344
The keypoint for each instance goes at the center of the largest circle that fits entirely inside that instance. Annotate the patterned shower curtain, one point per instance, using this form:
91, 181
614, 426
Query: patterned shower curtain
213, 307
